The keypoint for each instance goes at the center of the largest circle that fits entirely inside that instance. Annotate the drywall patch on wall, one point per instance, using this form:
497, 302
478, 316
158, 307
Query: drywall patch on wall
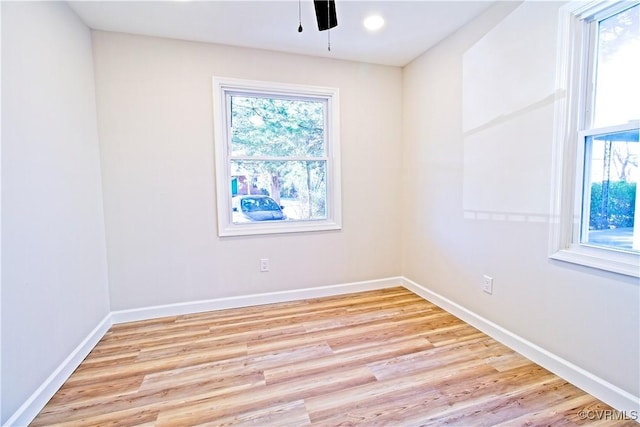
502, 74
587, 317
495, 180
507, 99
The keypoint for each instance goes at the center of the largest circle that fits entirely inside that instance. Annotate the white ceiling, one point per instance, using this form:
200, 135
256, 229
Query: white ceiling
411, 28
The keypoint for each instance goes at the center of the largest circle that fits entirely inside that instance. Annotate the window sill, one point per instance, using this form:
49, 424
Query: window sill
277, 227
624, 263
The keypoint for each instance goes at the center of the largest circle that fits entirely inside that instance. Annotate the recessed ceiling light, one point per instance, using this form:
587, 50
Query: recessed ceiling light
373, 22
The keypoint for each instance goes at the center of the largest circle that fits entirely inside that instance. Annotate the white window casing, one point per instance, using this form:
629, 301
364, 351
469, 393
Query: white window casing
222, 87
571, 126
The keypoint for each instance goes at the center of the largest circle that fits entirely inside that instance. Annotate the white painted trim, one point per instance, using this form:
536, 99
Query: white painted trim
146, 313
34, 404
592, 384
602, 259
571, 98
601, 389
226, 227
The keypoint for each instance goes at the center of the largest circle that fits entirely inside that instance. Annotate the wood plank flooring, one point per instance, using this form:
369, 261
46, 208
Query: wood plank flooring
384, 357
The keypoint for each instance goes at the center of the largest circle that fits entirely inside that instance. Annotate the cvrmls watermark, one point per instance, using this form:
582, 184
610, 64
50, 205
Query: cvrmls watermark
608, 415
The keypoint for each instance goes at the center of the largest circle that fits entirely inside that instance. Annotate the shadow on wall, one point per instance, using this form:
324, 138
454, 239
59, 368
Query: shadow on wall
508, 104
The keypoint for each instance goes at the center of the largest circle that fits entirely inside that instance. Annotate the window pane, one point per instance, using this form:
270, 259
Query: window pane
617, 88
277, 127
299, 187
611, 182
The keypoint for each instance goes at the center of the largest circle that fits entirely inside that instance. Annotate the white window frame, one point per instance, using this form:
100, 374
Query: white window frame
226, 227
572, 99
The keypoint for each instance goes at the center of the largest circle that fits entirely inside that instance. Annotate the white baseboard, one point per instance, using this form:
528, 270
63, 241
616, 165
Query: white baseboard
154, 312
30, 409
34, 404
612, 395
603, 390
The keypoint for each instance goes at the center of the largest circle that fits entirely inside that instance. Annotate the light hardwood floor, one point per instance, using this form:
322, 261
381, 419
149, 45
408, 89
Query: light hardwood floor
384, 357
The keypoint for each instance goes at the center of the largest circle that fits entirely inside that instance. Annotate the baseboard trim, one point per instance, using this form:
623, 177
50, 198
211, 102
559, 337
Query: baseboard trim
612, 395
596, 386
146, 313
30, 408
34, 404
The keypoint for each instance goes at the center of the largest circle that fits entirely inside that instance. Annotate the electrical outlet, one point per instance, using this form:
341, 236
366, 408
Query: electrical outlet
487, 284
264, 265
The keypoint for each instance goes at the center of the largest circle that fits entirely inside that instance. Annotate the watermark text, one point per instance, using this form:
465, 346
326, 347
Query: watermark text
608, 415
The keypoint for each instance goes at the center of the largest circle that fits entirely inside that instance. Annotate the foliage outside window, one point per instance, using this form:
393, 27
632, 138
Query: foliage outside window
277, 157
597, 131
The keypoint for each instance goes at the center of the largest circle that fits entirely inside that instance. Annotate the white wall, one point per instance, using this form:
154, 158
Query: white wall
156, 136
54, 275
444, 152
478, 117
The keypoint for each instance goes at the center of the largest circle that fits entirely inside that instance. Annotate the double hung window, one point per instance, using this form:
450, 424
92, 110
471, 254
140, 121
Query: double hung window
597, 136
277, 157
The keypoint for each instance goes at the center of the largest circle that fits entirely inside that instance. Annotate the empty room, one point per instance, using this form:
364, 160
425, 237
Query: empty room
320, 213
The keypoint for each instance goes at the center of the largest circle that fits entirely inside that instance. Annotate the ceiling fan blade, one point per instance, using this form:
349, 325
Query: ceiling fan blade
325, 14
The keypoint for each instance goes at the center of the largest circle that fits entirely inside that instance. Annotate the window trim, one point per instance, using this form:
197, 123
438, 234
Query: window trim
569, 119
226, 226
